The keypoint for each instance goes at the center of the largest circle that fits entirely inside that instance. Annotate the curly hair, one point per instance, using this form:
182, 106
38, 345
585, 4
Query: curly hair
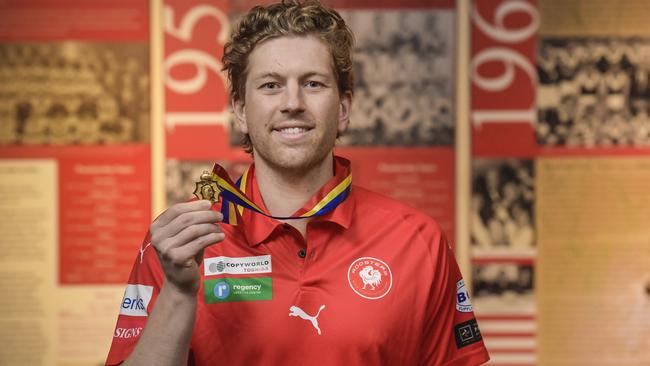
287, 18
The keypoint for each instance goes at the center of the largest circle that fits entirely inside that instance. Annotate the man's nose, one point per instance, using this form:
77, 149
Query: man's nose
293, 99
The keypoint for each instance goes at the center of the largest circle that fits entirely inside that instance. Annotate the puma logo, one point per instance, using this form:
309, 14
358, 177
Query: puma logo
296, 311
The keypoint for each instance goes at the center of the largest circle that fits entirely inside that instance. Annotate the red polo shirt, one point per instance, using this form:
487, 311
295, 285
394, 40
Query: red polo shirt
374, 283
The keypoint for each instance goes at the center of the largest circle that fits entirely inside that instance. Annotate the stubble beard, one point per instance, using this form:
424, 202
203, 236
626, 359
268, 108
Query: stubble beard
294, 164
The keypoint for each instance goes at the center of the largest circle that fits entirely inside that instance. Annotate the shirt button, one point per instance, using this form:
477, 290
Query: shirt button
302, 253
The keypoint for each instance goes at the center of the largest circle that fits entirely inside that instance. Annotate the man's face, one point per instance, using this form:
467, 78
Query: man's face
292, 109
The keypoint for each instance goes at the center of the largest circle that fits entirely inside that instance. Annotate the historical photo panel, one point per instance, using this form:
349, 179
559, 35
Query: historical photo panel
593, 92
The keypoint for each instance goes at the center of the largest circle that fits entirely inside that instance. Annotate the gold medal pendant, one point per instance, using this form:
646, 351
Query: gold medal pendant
206, 188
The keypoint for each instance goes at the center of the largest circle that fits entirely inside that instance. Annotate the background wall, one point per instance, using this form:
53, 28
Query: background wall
521, 126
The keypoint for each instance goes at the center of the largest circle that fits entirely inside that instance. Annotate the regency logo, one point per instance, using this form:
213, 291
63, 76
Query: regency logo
237, 289
221, 290
237, 265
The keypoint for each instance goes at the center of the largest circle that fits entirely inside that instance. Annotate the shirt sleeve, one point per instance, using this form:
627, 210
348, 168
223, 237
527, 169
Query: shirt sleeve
140, 295
451, 334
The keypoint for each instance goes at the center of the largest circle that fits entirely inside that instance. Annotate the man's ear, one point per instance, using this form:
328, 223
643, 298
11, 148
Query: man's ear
345, 106
240, 116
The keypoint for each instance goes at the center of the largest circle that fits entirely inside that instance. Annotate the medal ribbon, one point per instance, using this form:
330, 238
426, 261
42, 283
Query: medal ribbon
234, 200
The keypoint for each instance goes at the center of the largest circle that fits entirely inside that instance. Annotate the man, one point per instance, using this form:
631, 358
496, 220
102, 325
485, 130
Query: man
363, 281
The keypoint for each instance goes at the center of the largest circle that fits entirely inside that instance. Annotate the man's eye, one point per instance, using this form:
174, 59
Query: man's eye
314, 84
269, 86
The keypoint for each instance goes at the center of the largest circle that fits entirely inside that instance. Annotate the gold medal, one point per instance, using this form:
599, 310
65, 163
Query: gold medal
206, 188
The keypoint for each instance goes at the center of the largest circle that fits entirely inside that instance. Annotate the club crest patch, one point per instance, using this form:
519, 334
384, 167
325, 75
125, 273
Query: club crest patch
370, 278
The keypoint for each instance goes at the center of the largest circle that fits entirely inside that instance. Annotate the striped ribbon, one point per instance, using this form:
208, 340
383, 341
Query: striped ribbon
234, 200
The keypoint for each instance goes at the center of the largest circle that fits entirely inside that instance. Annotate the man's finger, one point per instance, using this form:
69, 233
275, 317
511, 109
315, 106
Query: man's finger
195, 231
185, 236
192, 250
180, 208
184, 221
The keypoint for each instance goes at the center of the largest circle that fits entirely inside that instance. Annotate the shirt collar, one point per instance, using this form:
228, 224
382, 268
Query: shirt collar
257, 228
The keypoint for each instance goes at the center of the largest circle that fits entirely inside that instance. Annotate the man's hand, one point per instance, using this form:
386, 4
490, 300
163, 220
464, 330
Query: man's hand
180, 234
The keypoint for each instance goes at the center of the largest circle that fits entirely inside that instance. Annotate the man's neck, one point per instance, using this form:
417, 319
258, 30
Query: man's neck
284, 191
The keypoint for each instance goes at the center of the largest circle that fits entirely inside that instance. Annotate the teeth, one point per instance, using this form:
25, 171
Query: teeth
292, 130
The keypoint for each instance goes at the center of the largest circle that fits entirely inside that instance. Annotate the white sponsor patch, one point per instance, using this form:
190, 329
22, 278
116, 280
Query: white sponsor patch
462, 298
237, 265
136, 300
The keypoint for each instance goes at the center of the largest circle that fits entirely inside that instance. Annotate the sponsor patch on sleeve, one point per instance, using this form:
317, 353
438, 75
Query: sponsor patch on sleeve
128, 328
136, 300
467, 333
462, 298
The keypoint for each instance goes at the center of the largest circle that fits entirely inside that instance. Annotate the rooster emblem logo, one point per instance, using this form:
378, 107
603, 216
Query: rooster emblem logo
370, 278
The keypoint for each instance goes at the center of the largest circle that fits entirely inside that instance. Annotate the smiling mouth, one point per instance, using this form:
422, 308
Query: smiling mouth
292, 130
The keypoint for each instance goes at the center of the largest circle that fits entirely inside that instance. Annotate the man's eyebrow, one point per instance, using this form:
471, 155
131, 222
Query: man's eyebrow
316, 73
275, 75
264, 75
